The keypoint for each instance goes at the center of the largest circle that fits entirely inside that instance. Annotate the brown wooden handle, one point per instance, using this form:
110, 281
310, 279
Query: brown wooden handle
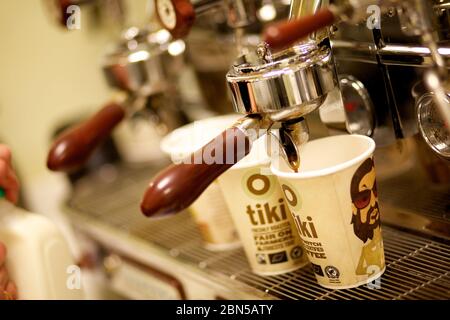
176, 16
284, 34
75, 145
179, 185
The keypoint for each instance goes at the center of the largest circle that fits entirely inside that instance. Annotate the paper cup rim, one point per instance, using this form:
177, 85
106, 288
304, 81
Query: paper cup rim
249, 164
333, 169
167, 145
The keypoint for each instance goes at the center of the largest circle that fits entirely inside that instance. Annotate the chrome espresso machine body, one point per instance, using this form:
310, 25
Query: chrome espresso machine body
386, 70
143, 67
377, 68
388, 79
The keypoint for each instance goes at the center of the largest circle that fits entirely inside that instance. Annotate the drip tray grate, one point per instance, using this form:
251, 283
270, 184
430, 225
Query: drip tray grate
416, 267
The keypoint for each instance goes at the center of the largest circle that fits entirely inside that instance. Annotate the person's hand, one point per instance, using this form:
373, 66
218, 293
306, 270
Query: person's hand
8, 290
8, 178
10, 184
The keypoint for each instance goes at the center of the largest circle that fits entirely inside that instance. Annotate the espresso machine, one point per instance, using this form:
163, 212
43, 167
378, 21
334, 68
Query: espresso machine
373, 67
143, 68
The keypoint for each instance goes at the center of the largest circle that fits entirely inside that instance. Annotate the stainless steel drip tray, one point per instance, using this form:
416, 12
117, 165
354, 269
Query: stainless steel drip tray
418, 267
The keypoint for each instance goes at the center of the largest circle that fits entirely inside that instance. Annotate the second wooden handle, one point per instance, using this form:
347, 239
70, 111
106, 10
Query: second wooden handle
284, 34
75, 145
176, 16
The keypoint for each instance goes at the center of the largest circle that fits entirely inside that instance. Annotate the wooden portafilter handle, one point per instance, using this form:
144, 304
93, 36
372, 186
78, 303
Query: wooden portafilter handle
75, 145
179, 185
284, 34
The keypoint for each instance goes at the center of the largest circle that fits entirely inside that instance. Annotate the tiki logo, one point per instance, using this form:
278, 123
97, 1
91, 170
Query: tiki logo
266, 213
259, 187
305, 228
258, 184
292, 197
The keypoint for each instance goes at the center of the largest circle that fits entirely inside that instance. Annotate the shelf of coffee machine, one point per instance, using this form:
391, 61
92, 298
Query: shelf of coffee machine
418, 267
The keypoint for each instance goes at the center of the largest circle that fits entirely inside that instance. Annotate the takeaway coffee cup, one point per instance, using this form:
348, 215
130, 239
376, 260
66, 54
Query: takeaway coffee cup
261, 216
209, 211
333, 199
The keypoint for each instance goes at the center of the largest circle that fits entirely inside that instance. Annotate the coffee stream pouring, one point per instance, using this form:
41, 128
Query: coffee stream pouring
74, 146
275, 90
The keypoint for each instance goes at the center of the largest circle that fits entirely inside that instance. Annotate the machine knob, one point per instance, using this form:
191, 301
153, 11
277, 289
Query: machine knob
177, 16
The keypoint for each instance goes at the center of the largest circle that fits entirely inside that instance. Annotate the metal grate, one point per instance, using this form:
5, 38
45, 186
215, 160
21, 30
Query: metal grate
398, 191
417, 267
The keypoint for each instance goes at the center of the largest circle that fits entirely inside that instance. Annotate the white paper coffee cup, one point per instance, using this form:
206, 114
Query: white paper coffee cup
210, 211
261, 216
334, 202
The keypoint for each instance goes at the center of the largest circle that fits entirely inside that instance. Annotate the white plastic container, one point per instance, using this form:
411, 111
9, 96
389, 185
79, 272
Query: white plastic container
38, 258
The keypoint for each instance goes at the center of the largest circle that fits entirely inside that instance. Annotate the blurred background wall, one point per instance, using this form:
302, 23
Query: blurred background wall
49, 75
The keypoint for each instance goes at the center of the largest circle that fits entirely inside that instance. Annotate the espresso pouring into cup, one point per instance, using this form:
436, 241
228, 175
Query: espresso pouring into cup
334, 203
275, 94
273, 84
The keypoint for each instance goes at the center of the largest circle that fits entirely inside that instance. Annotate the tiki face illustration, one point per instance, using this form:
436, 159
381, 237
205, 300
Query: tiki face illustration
363, 190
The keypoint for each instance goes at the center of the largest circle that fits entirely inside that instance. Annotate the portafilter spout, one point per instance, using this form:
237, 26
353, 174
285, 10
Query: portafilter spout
274, 92
284, 88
